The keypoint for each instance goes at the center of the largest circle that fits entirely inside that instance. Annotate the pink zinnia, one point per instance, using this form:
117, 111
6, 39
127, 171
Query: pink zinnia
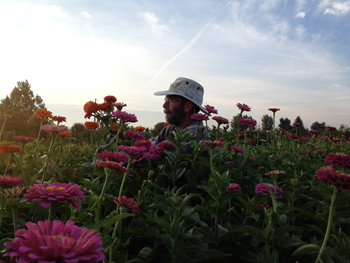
304, 153
119, 105
145, 143
233, 187
249, 122
61, 243
113, 165
262, 188
237, 149
151, 156
55, 192
199, 117
304, 138
338, 159
128, 203
331, 128
243, 107
113, 156
320, 151
210, 109
134, 135
169, 146
131, 150
124, 116
335, 177
220, 120
7, 181
313, 132
274, 109
49, 128
23, 139
296, 124
293, 136
213, 143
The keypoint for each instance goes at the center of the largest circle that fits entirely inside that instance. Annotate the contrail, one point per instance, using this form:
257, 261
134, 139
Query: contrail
187, 47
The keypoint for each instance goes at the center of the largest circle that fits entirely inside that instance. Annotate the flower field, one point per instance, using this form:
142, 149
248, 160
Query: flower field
275, 196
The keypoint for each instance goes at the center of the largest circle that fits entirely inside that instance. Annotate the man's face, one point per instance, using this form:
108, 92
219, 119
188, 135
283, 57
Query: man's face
174, 110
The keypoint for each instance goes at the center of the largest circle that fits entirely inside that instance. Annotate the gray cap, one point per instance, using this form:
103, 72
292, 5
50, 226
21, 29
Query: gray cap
187, 88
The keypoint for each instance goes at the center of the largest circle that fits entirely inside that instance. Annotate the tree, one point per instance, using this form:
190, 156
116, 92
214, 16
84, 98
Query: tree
300, 121
21, 105
157, 128
285, 124
236, 127
267, 123
318, 126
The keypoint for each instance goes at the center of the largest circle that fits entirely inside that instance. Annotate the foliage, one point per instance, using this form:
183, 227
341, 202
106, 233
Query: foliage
285, 123
266, 123
318, 126
235, 126
300, 121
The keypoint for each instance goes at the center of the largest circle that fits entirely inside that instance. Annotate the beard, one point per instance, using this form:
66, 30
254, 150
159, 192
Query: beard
175, 117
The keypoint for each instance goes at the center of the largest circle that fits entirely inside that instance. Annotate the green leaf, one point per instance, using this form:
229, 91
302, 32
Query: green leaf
306, 249
115, 219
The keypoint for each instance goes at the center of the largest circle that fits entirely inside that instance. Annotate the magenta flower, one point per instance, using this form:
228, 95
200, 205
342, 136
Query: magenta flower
144, 143
199, 117
128, 204
64, 243
338, 159
233, 187
210, 109
320, 151
312, 132
49, 128
119, 105
274, 109
23, 139
169, 146
283, 151
304, 153
293, 136
7, 181
220, 120
134, 135
243, 107
249, 122
331, 128
302, 138
151, 156
296, 124
124, 116
55, 192
262, 188
335, 177
213, 144
113, 165
237, 149
283, 131
113, 156
131, 150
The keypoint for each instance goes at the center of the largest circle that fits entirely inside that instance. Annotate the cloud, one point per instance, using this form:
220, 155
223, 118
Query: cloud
152, 22
338, 8
86, 14
300, 32
300, 14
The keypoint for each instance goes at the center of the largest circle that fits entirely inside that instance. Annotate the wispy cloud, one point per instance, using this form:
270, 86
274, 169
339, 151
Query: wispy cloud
338, 8
300, 14
85, 14
152, 22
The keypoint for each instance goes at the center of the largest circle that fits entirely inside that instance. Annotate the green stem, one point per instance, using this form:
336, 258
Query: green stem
52, 211
2, 128
47, 159
2, 200
124, 176
8, 163
329, 225
15, 219
20, 165
99, 202
41, 123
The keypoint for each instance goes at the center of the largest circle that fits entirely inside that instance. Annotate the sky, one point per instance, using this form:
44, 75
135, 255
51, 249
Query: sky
287, 54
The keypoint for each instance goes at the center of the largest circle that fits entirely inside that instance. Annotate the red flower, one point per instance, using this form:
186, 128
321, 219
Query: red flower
249, 122
243, 107
330, 175
213, 144
220, 120
233, 187
91, 125
210, 109
145, 143
113, 165
127, 203
338, 159
167, 146
110, 99
113, 156
199, 117
296, 124
4, 148
59, 119
274, 109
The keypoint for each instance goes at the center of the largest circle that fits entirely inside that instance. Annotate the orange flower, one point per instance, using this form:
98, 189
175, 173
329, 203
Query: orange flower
90, 107
65, 134
59, 119
91, 125
115, 128
4, 148
139, 128
43, 114
110, 99
165, 124
222, 139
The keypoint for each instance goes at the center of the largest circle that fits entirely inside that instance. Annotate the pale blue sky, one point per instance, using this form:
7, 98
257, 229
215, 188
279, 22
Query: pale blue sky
292, 55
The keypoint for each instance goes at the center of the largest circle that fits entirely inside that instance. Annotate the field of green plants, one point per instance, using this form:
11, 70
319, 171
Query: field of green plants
274, 196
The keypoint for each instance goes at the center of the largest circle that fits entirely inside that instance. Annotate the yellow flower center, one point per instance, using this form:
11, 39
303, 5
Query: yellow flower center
51, 188
58, 236
248, 119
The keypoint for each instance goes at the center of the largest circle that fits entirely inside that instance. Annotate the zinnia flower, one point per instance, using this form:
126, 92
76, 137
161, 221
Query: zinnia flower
91, 125
274, 109
110, 99
338, 159
113, 156
331, 128
64, 243
59, 119
49, 128
4, 148
23, 139
274, 173
43, 114
293, 136
7, 180
320, 151
243, 107
220, 120
145, 143
169, 146
213, 144
139, 128
312, 132
296, 124
249, 122
113, 165
119, 105
237, 149
90, 107
304, 153
134, 135
302, 138
262, 188
210, 109
128, 204
233, 187
151, 156
124, 116
199, 117
65, 134
55, 192
335, 177
132, 150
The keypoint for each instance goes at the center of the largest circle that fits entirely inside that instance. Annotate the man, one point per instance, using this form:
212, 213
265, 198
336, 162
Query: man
183, 98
